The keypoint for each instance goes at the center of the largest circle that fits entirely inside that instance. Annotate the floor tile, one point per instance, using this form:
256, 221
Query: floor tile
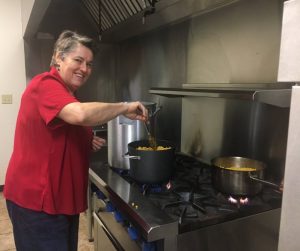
83, 243
2, 201
5, 227
3, 214
7, 242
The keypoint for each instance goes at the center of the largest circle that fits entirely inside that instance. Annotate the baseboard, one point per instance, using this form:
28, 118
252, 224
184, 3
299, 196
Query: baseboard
1, 188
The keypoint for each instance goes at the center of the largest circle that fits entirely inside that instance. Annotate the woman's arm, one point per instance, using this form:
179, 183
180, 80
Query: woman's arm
97, 113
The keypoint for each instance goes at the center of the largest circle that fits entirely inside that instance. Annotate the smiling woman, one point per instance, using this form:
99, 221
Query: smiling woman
75, 67
46, 180
73, 60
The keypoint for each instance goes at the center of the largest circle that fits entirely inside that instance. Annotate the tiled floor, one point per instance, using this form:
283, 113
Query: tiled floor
7, 239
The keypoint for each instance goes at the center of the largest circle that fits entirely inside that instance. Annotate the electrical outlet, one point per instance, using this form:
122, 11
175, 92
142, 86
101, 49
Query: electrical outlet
7, 99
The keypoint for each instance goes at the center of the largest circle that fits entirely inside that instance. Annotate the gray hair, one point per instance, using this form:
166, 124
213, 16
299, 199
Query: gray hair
68, 41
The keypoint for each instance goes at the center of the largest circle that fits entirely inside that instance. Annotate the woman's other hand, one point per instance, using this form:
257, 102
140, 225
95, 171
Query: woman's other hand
97, 143
136, 110
281, 186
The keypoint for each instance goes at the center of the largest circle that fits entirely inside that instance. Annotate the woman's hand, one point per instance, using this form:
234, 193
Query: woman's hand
135, 110
97, 143
281, 186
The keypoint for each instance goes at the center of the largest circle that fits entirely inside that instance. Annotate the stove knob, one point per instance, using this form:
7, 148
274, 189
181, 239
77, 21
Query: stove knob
148, 246
110, 207
100, 195
132, 233
118, 216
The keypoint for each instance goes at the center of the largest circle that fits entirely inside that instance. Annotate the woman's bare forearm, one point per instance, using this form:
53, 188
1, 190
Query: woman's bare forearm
91, 113
96, 113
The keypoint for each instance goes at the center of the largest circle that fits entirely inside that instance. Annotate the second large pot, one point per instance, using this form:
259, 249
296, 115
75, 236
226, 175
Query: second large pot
151, 167
233, 182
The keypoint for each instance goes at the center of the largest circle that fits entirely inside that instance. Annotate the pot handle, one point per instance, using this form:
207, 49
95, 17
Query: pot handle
127, 156
264, 181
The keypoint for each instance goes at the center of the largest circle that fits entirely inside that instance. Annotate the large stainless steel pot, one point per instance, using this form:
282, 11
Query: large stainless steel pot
120, 132
237, 182
152, 166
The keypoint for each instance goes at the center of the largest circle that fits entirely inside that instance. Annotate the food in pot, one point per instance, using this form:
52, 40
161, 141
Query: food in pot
241, 169
158, 148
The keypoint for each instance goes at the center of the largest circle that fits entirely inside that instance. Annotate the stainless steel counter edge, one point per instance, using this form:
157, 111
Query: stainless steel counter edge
149, 219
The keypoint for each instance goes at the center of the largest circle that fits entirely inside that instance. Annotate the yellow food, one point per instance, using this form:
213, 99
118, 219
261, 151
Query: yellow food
158, 148
241, 169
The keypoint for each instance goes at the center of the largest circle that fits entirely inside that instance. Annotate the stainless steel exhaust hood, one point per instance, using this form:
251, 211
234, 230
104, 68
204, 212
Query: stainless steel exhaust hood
106, 13
117, 20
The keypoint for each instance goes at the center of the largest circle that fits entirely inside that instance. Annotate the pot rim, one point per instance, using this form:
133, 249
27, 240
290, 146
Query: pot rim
145, 142
258, 165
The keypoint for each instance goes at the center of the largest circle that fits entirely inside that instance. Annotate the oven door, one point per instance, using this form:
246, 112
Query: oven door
109, 235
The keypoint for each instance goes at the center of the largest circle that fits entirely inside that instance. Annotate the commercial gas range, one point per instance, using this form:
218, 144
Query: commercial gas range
185, 213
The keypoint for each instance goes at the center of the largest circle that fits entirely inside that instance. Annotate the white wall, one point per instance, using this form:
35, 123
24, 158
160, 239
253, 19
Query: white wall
26, 6
12, 72
290, 39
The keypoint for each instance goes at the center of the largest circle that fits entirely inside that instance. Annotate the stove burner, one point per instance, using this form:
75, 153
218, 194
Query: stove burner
244, 201
150, 188
144, 188
238, 201
186, 204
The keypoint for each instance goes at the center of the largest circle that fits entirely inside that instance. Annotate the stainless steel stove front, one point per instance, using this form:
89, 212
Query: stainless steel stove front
152, 227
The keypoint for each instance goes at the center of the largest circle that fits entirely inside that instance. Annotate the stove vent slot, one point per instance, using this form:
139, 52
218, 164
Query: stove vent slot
109, 13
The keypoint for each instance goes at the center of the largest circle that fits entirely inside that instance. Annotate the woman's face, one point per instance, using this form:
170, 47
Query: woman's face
75, 67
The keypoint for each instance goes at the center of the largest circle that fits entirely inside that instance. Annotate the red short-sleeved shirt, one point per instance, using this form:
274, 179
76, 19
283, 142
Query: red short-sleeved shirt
48, 169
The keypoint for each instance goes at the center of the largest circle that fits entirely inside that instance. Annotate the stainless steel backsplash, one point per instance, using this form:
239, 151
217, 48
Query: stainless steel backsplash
213, 127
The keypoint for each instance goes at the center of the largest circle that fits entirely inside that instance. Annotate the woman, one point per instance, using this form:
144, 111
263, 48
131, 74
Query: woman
46, 180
